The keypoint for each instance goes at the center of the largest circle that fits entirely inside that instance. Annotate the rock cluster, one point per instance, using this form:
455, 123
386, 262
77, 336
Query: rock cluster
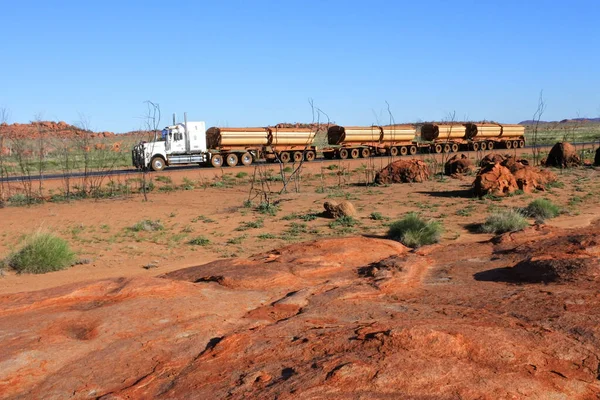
563, 155
456, 165
403, 171
333, 209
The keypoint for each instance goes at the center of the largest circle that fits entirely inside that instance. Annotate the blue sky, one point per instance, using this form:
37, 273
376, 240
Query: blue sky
255, 63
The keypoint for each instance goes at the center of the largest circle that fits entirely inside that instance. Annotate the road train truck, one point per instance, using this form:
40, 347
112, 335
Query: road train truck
192, 143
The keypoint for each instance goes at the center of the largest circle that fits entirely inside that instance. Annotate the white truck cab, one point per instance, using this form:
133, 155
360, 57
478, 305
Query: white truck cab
180, 143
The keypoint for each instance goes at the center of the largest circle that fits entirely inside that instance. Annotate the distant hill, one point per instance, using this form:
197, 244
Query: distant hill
564, 121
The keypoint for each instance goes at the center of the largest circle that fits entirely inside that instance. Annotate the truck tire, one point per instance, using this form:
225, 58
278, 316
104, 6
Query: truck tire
403, 151
354, 153
454, 147
438, 148
157, 164
490, 145
365, 153
309, 155
521, 143
508, 144
343, 154
447, 148
475, 146
284, 157
216, 161
483, 146
231, 159
393, 151
412, 150
246, 159
298, 156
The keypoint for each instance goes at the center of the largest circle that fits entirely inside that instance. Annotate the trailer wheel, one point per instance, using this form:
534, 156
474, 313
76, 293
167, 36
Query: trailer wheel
454, 147
354, 153
393, 151
508, 144
231, 159
412, 150
521, 143
285, 157
246, 159
216, 161
365, 153
343, 154
298, 156
437, 148
447, 148
157, 164
515, 144
475, 146
309, 155
403, 151
483, 146
490, 145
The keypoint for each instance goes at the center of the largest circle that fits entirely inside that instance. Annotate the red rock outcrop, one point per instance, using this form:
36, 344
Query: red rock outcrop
403, 171
338, 318
458, 165
494, 179
563, 155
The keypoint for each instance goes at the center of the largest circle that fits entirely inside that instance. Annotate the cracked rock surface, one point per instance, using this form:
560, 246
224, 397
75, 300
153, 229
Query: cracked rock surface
515, 317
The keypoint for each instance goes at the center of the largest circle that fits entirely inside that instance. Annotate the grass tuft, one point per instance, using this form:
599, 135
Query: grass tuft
541, 209
199, 241
504, 221
413, 231
41, 253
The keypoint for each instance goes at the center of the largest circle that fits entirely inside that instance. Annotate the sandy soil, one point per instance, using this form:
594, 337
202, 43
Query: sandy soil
99, 230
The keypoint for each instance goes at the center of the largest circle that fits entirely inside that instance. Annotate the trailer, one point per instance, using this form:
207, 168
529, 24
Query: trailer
364, 141
448, 138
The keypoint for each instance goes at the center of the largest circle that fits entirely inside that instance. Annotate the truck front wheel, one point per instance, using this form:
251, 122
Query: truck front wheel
157, 164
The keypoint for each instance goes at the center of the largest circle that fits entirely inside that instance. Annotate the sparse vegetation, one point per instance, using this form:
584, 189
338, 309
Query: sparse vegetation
414, 231
542, 209
147, 225
199, 241
41, 253
259, 223
377, 216
267, 208
504, 221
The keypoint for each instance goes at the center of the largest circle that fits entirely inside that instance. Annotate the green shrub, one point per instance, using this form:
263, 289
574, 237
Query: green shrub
199, 241
345, 222
241, 175
377, 216
265, 236
259, 223
163, 179
41, 253
147, 225
504, 221
542, 209
413, 231
267, 208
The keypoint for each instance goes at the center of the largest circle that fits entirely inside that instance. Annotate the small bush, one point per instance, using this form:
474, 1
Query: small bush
199, 241
267, 208
542, 209
265, 236
377, 216
504, 221
413, 231
147, 225
163, 179
345, 222
466, 212
41, 253
259, 223
241, 175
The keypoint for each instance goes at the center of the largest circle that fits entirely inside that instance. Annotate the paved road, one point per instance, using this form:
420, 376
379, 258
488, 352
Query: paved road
133, 171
